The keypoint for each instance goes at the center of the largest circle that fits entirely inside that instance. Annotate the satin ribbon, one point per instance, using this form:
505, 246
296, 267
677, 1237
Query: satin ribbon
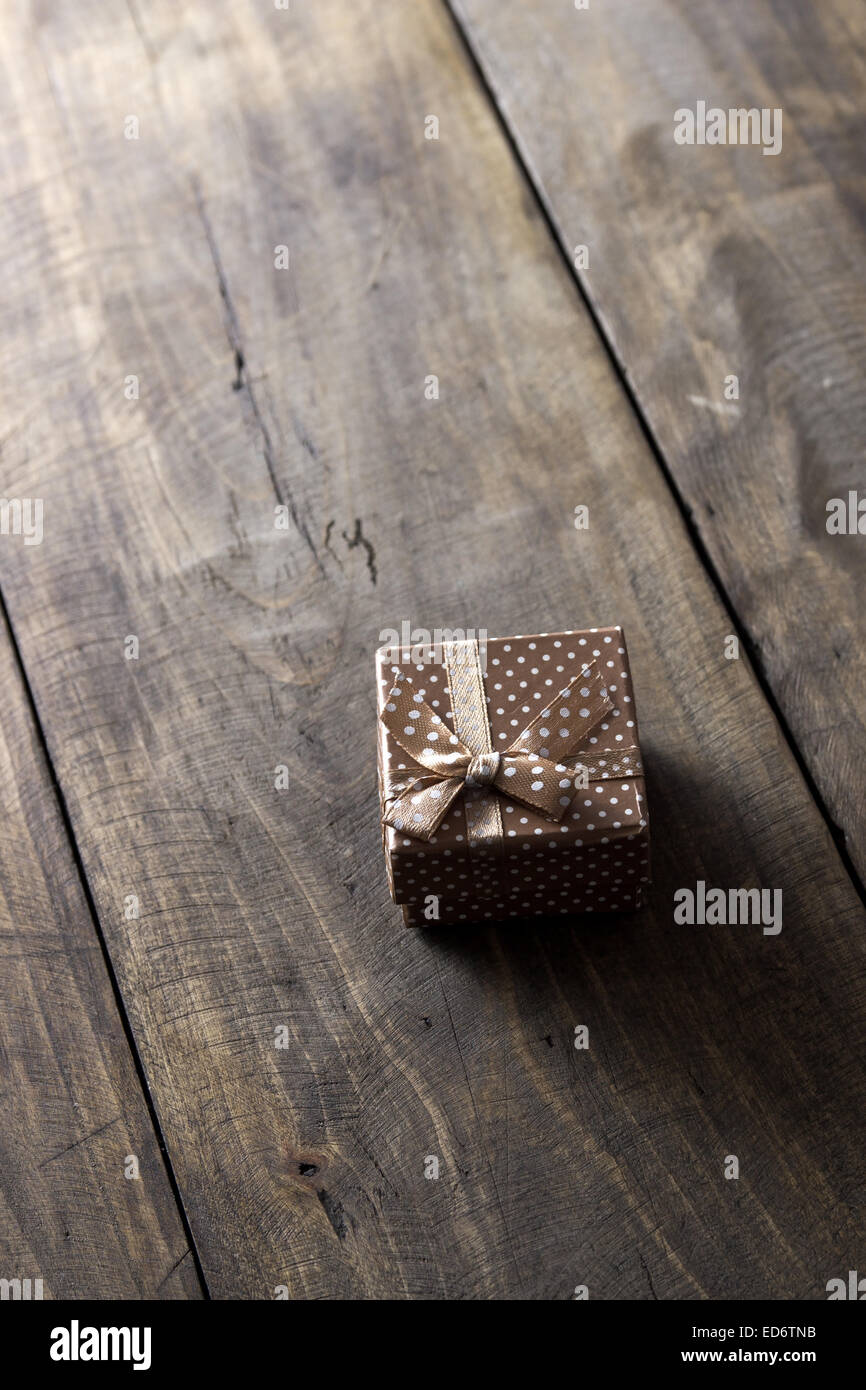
537, 769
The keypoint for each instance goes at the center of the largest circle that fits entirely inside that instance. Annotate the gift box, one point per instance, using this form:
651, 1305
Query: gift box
510, 777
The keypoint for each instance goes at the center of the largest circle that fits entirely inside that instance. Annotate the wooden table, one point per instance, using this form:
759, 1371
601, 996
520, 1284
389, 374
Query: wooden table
236, 258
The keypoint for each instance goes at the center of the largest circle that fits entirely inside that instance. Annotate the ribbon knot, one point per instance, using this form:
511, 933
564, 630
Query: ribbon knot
531, 770
482, 770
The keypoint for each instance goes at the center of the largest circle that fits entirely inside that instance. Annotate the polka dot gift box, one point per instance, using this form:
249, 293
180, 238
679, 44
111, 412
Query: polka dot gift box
510, 777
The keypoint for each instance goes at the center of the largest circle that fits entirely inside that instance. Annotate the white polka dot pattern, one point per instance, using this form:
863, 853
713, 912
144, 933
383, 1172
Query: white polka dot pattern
441, 767
596, 859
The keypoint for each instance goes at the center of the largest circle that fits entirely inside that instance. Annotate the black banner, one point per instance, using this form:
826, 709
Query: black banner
82, 1339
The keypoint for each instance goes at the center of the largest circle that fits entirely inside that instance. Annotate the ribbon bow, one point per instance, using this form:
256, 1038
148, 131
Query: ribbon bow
533, 770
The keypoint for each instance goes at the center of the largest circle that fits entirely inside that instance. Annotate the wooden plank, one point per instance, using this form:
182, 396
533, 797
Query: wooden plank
86, 1210
303, 1167
707, 262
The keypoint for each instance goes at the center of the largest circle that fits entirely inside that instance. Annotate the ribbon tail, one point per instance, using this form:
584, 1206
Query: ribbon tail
421, 812
534, 762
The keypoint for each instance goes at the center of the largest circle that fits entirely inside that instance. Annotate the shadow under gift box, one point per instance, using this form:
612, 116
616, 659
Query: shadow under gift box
596, 859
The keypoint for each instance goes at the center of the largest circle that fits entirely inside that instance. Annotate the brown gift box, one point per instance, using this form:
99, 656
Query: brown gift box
594, 859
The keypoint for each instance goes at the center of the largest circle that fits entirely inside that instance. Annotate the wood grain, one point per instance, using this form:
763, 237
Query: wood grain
303, 1167
717, 260
73, 1112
